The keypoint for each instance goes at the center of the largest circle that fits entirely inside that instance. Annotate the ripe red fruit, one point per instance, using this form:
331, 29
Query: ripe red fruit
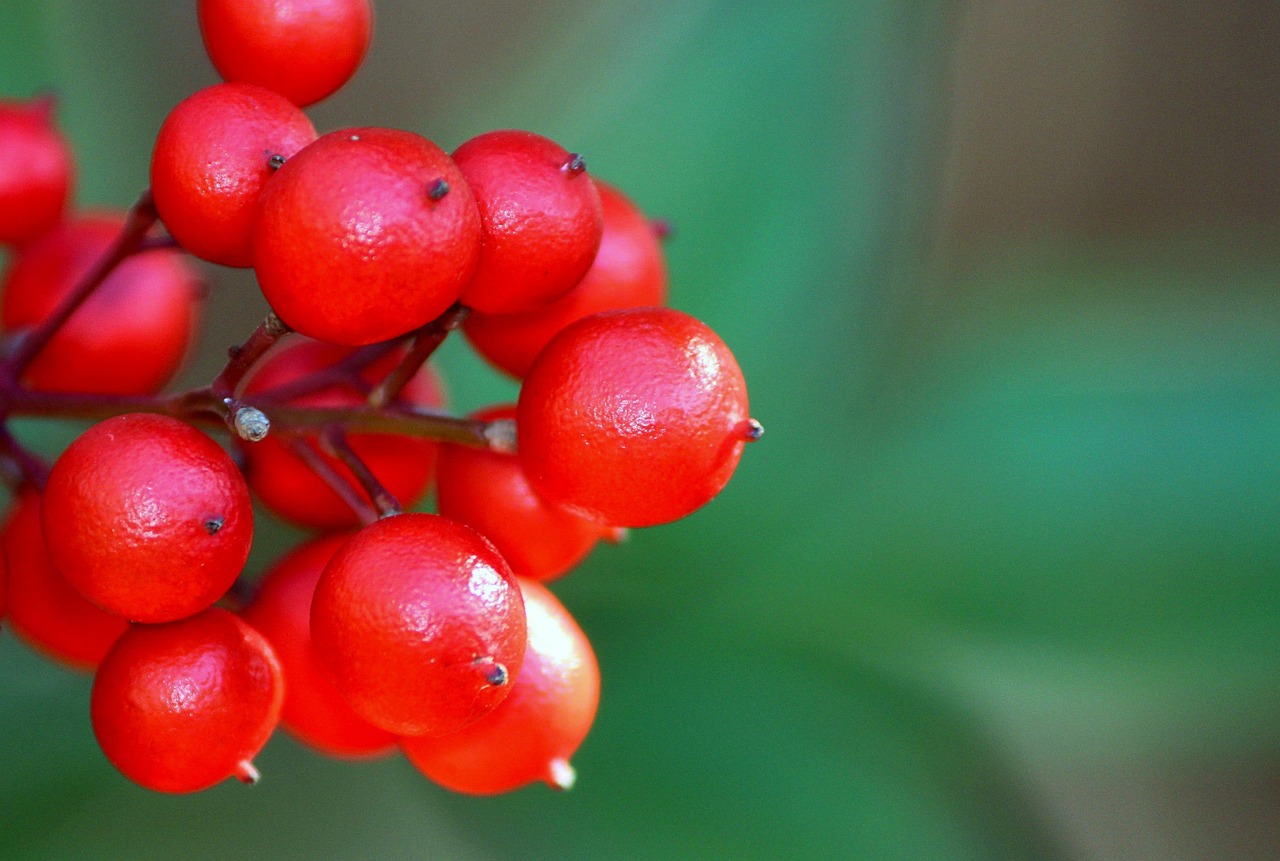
420, 623
213, 154
532, 734
147, 517
488, 491
303, 49
314, 711
541, 217
633, 417
289, 487
629, 271
129, 337
36, 172
182, 706
365, 235
43, 607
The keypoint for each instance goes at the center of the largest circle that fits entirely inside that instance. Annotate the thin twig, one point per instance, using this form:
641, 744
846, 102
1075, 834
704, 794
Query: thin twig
334, 443
427, 340
307, 452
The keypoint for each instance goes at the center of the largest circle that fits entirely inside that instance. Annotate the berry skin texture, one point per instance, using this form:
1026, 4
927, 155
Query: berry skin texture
43, 607
182, 706
303, 49
129, 337
533, 733
36, 173
633, 417
211, 159
314, 711
420, 623
147, 517
488, 491
541, 216
355, 242
629, 270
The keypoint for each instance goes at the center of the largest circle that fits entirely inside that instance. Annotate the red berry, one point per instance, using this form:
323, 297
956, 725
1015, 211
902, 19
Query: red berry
420, 623
533, 732
45, 610
629, 270
365, 235
541, 216
303, 49
488, 491
182, 706
314, 711
36, 172
289, 487
633, 417
129, 337
213, 154
147, 517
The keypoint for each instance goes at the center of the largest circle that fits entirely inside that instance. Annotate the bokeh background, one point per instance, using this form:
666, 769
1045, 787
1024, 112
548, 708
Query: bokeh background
1003, 579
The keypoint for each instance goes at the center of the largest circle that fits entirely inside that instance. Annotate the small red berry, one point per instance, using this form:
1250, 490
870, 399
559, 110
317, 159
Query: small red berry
354, 244
303, 49
629, 270
532, 734
420, 623
36, 171
541, 217
147, 517
633, 417
212, 156
182, 706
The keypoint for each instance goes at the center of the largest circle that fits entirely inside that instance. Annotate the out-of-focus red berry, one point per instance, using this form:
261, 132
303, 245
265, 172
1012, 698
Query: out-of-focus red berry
36, 171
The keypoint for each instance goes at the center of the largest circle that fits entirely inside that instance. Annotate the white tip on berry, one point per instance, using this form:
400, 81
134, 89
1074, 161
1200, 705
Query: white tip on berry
561, 775
247, 773
500, 434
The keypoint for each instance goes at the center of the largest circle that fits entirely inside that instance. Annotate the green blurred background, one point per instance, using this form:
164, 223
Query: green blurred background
1001, 581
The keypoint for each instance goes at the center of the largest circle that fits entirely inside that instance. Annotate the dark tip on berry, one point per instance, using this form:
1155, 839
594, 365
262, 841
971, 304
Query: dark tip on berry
212, 524
495, 674
576, 163
437, 189
276, 161
662, 228
751, 430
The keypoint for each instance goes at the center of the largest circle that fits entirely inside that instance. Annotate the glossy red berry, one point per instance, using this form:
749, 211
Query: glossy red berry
532, 734
289, 486
634, 417
43, 607
314, 711
36, 171
365, 235
303, 49
488, 491
182, 706
420, 623
541, 216
147, 517
212, 156
129, 337
628, 271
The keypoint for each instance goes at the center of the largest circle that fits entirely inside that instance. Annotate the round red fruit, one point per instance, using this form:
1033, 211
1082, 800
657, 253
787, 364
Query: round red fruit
147, 517
420, 623
633, 417
182, 706
541, 217
36, 172
303, 49
365, 235
212, 156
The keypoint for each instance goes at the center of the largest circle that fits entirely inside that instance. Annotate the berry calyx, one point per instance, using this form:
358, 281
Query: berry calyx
36, 172
182, 706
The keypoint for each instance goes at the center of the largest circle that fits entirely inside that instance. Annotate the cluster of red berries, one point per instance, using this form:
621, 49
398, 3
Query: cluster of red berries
430, 632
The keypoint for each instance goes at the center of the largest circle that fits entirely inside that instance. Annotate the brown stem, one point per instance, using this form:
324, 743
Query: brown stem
427, 340
334, 443
242, 358
345, 372
30, 468
307, 453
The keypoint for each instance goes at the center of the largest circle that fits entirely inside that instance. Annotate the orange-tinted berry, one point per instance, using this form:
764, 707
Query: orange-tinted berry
182, 706
532, 734
541, 218
420, 623
129, 337
36, 171
634, 417
147, 517
365, 235
213, 154
314, 711
629, 270
303, 49
43, 607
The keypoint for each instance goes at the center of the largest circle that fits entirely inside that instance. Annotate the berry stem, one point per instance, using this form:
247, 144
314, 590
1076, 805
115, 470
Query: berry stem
427, 340
242, 358
30, 469
307, 452
334, 443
